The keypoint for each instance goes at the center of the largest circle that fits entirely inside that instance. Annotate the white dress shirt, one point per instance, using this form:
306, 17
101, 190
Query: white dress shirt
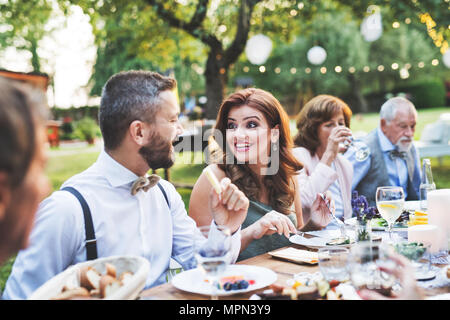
141, 225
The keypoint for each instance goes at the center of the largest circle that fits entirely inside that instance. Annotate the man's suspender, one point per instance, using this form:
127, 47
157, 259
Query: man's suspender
91, 241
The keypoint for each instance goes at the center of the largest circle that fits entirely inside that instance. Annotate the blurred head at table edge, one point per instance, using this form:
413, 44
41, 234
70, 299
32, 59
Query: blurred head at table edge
23, 184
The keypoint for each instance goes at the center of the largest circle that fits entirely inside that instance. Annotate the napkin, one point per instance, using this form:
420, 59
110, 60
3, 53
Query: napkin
296, 255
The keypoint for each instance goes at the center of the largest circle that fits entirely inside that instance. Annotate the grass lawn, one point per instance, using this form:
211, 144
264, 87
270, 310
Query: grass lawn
65, 163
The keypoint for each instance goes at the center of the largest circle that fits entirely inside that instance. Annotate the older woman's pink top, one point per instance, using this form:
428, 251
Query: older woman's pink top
316, 177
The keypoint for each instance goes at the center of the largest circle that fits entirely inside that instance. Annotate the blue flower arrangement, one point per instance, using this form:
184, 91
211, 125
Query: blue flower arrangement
361, 208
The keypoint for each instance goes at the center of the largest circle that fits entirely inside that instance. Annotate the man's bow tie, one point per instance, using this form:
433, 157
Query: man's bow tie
398, 154
144, 183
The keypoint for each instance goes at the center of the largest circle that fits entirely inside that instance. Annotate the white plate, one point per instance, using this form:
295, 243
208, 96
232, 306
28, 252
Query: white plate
194, 280
313, 243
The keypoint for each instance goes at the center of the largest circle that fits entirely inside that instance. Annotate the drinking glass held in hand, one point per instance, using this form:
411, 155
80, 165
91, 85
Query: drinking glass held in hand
366, 262
362, 151
390, 202
213, 254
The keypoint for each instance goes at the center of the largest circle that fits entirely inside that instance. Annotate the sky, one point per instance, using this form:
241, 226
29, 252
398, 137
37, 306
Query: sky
67, 54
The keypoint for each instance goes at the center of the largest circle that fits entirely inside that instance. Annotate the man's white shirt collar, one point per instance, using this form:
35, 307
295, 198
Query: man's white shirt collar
116, 174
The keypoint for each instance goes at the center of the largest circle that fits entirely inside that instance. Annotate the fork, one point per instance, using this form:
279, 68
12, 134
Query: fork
300, 233
339, 221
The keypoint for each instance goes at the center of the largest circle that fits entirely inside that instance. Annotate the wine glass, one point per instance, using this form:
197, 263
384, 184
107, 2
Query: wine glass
390, 202
362, 150
212, 252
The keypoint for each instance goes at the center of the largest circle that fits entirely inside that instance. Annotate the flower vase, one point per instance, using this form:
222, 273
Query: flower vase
363, 230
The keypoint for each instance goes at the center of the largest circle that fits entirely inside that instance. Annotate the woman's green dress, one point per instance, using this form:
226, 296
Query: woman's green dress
267, 243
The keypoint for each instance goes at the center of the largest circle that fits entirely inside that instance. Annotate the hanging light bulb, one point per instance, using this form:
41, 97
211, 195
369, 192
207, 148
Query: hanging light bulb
316, 55
446, 58
258, 49
371, 26
404, 73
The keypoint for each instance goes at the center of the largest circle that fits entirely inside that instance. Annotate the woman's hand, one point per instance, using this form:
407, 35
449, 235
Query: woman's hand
403, 271
320, 214
230, 207
270, 223
337, 136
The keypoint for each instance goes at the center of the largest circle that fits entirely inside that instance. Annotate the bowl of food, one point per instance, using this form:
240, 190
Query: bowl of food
414, 251
110, 278
419, 255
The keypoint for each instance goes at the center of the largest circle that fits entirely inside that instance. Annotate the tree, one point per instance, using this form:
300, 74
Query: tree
219, 58
214, 33
354, 67
220, 27
23, 23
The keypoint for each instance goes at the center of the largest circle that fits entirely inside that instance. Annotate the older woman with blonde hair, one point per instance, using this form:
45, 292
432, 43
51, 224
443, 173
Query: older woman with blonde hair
323, 126
255, 152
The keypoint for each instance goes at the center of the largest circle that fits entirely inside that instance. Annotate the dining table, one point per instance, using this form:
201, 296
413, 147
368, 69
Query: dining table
284, 269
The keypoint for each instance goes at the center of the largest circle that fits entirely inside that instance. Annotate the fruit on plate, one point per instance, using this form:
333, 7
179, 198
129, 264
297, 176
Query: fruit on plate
419, 217
237, 282
312, 290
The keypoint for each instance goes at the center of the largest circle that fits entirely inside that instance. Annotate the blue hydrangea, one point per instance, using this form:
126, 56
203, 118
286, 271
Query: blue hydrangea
360, 207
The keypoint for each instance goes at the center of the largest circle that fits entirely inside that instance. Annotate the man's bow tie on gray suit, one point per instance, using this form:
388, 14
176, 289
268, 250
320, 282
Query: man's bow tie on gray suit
405, 156
399, 154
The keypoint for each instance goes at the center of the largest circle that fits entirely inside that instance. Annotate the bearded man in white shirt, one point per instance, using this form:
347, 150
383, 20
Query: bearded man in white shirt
139, 121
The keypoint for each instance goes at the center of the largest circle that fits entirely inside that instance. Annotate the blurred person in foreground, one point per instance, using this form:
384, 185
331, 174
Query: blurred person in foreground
323, 126
405, 273
253, 148
23, 183
393, 160
132, 213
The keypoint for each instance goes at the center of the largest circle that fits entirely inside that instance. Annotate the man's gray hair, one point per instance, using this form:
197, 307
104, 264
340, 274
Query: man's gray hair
390, 107
128, 96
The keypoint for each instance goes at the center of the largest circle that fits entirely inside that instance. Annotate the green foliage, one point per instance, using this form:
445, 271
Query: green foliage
425, 94
86, 129
5, 270
75, 113
338, 32
23, 25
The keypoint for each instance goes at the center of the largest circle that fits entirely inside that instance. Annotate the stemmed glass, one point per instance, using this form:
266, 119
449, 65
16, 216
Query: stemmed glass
390, 202
212, 253
362, 151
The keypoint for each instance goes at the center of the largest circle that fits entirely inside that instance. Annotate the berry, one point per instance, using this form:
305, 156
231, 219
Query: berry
228, 286
243, 284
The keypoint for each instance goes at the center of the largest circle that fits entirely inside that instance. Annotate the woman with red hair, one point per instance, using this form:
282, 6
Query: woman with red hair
252, 146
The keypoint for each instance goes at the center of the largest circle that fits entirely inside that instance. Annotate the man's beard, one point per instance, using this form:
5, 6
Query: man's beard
158, 153
403, 146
